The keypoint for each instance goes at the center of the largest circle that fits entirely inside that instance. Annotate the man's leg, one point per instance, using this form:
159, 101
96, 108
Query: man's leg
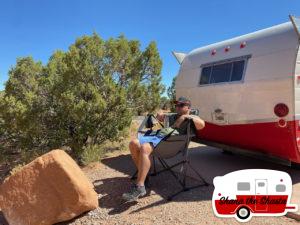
134, 147
144, 163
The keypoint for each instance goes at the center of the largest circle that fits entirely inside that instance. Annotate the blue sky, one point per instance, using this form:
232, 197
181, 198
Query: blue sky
38, 28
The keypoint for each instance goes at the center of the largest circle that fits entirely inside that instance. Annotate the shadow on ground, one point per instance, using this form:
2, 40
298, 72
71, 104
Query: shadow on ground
208, 161
163, 184
213, 162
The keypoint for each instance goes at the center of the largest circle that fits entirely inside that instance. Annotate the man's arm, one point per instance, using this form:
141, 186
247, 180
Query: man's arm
199, 123
160, 116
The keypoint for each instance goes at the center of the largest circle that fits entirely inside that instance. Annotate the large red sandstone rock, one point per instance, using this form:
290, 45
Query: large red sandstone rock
50, 189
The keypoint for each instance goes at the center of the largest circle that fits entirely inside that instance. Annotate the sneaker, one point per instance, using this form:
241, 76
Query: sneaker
147, 180
135, 192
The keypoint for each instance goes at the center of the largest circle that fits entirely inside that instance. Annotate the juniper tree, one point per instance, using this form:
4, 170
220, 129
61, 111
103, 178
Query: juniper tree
81, 97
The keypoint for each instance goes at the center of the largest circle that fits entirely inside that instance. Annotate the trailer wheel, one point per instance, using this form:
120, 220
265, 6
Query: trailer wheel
243, 213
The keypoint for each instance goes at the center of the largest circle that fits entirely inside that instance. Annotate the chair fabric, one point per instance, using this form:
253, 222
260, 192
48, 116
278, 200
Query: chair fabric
172, 146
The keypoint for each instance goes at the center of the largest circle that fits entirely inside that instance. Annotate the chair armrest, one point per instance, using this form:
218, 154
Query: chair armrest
143, 124
152, 115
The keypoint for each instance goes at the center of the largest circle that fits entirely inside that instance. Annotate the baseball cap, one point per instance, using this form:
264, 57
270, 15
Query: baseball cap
183, 100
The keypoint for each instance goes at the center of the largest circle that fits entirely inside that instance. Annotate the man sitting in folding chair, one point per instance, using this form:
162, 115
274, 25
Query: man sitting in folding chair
142, 147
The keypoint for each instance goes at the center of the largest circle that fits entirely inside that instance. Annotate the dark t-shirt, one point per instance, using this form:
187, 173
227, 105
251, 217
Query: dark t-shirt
183, 126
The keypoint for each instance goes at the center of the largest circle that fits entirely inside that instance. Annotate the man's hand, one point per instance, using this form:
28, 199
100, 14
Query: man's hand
179, 120
199, 123
160, 116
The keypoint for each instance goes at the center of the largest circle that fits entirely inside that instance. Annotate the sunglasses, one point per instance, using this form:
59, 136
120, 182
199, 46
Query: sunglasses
180, 105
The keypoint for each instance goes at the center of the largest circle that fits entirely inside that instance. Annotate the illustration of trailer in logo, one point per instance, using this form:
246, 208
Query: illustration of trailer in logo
254, 192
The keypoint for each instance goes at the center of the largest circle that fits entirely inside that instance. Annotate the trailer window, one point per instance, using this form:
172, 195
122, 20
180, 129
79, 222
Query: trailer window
237, 71
243, 186
280, 188
206, 71
221, 73
224, 71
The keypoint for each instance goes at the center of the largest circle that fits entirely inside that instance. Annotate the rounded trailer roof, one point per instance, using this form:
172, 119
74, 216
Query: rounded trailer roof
272, 39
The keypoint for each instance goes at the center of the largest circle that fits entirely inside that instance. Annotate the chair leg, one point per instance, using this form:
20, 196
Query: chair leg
168, 168
154, 173
184, 173
184, 188
134, 176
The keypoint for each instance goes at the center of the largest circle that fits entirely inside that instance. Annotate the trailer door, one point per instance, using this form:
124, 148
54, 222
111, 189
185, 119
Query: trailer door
261, 191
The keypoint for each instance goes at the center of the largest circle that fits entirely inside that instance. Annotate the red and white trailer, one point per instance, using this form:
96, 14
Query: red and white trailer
255, 192
247, 89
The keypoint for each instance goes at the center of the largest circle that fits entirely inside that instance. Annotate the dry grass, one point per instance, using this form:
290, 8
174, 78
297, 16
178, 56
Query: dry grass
110, 148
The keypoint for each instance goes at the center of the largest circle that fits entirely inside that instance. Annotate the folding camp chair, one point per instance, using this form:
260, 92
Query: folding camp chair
170, 147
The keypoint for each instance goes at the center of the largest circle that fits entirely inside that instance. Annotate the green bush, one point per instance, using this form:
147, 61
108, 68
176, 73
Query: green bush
92, 153
81, 97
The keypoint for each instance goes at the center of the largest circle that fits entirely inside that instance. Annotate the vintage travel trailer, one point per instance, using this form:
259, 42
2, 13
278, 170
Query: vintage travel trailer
247, 89
254, 192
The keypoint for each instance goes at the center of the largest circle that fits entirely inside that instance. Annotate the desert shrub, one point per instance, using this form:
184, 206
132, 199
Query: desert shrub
80, 98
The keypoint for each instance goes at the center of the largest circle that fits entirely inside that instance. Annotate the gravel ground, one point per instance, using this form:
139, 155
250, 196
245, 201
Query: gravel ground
111, 179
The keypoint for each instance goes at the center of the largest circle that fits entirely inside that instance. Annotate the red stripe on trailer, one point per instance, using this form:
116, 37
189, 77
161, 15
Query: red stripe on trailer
267, 138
